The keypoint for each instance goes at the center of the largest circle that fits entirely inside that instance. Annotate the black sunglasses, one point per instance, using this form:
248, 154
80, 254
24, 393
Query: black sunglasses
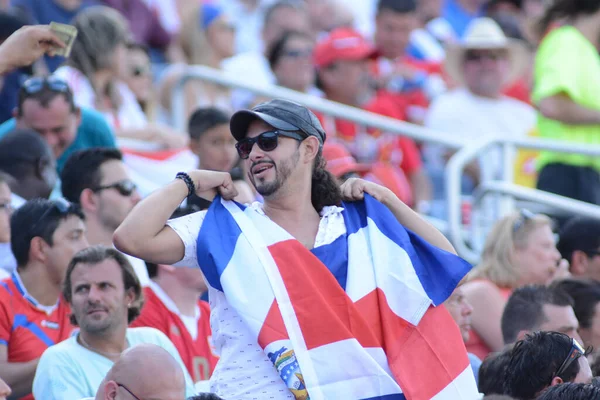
35, 85
298, 53
62, 206
125, 188
128, 391
576, 351
524, 216
140, 71
475, 55
267, 141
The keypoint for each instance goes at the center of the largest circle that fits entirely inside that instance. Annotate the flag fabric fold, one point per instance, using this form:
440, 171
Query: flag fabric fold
359, 318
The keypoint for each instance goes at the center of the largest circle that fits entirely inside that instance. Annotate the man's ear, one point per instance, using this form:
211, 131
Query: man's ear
579, 262
88, 200
312, 145
110, 390
557, 380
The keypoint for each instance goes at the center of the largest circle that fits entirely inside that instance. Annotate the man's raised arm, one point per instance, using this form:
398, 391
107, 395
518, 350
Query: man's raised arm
144, 233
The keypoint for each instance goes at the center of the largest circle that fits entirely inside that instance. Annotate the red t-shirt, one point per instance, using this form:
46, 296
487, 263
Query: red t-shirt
197, 354
27, 329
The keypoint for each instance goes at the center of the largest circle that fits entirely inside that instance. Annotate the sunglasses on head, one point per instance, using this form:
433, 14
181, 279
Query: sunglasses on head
266, 141
524, 216
576, 351
125, 188
35, 85
60, 206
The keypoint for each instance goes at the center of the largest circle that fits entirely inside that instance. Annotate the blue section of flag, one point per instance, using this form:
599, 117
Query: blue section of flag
439, 271
397, 396
22, 322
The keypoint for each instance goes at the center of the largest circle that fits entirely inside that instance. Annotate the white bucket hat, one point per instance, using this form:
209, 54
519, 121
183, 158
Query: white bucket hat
484, 33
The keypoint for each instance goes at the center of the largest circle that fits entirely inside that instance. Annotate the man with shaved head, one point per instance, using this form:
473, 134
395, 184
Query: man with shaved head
146, 371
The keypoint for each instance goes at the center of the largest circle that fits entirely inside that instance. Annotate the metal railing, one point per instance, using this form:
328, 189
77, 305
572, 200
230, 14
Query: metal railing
467, 151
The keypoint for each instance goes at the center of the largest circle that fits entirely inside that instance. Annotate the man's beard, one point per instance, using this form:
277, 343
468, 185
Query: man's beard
282, 173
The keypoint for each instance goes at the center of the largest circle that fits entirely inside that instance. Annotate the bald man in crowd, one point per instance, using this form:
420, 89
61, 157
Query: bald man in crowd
145, 371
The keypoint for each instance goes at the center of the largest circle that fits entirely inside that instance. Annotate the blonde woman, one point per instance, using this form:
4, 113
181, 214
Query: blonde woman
519, 250
98, 59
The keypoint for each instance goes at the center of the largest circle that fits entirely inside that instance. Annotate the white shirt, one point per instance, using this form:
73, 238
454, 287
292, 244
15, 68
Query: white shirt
244, 372
139, 266
470, 117
129, 115
68, 370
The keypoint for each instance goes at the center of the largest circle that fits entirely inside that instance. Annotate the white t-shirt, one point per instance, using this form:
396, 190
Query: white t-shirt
68, 370
129, 115
470, 117
244, 372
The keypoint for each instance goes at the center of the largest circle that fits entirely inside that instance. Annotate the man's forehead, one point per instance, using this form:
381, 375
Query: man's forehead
257, 127
58, 102
106, 270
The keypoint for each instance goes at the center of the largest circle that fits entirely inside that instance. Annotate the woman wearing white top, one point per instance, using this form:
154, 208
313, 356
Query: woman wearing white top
97, 60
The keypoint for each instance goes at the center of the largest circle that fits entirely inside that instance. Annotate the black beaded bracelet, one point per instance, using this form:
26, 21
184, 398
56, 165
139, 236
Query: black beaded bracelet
188, 182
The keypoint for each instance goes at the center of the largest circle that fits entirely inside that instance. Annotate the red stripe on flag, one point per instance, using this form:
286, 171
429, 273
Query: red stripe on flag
327, 315
434, 352
273, 328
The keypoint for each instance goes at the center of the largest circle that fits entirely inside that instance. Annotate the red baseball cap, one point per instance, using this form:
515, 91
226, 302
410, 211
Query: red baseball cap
342, 44
339, 160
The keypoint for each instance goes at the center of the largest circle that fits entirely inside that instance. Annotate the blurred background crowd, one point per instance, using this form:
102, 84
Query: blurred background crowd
83, 139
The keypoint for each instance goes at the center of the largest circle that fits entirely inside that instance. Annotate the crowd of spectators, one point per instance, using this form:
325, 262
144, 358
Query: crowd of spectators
83, 139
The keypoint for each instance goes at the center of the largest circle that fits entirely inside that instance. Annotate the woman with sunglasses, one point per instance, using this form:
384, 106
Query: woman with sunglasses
291, 61
93, 72
519, 250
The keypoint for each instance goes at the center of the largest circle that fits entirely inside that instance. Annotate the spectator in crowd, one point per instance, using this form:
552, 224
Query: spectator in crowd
44, 236
138, 77
211, 141
279, 17
173, 306
105, 295
342, 61
247, 17
538, 308
46, 105
29, 163
93, 70
491, 372
7, 259
579, 243
411, 82
96, 179
498, 397
341, 163
147, 29
482, 64
27, 45
571, 391
4, 390
205, 396
544, 359
11, 82
519, 250
461, 311
208, 39
44, 12
564, 91
586, 298
145, 371
291, 60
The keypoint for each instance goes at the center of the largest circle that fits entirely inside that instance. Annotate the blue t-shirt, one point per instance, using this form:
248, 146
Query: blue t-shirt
93, 131
46, 11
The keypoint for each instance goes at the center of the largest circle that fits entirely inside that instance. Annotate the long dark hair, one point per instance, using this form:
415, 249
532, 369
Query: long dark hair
560, 9
325, 190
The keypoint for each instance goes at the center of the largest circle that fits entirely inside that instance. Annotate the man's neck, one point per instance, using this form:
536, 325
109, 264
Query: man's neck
589, 26
108, 344
290, 208
185, 299
97, 233
39, 285
489, 96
